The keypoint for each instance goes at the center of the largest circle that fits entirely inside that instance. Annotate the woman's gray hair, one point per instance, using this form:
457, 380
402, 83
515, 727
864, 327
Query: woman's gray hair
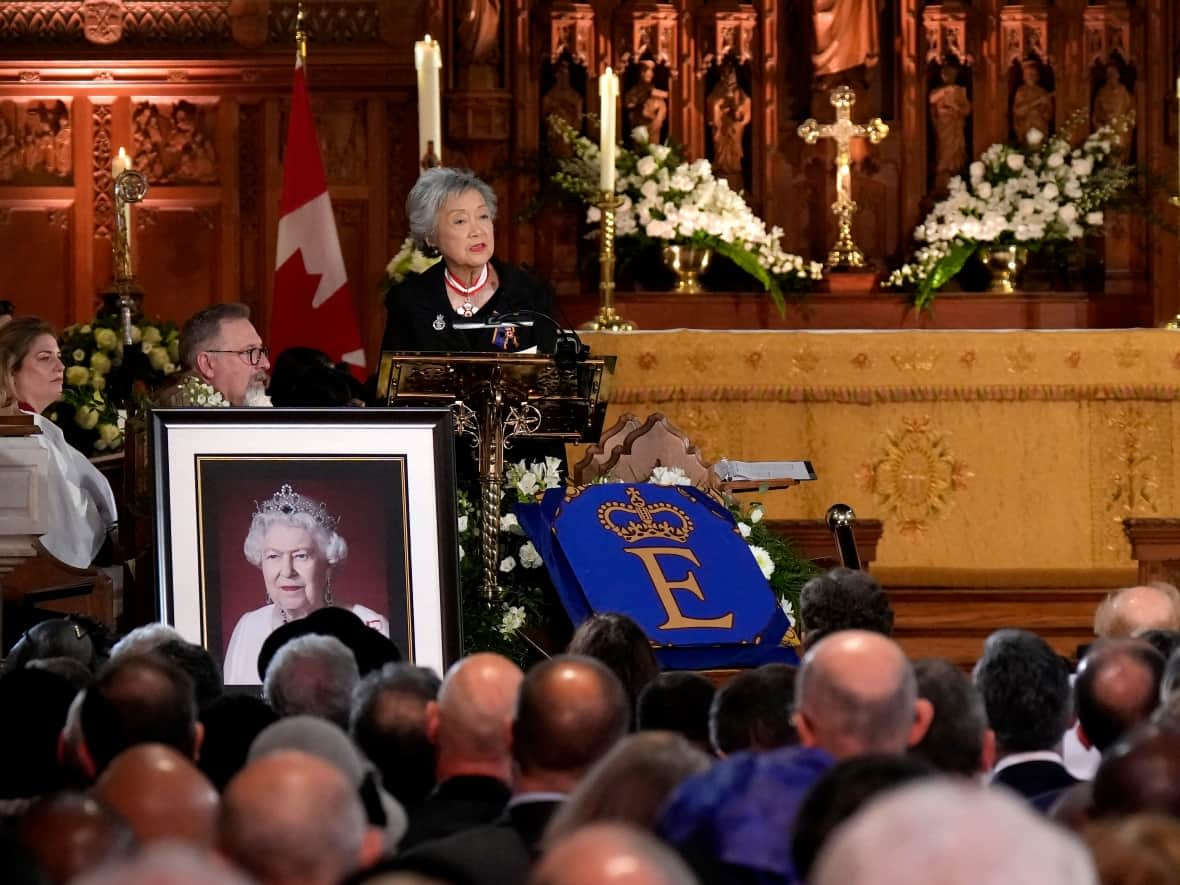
330, 543
434, 187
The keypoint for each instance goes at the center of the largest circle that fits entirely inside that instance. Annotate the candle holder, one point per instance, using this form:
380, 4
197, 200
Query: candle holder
607, 319
130, 187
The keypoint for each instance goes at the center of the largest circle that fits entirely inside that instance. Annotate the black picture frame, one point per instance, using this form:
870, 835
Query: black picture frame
388, 475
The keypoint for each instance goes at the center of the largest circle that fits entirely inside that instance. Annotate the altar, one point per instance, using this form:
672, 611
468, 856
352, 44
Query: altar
1001, 463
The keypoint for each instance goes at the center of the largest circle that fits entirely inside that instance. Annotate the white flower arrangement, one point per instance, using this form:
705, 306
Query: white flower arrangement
669, 199
669, 476
408, 260
1048, 191
194, 391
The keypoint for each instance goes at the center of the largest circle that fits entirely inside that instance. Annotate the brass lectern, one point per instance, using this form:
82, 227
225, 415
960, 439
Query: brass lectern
496, 398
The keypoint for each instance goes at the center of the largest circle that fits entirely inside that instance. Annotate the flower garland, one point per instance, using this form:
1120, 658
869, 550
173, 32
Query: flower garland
503, 625
1045, 192
668, 199
102, 385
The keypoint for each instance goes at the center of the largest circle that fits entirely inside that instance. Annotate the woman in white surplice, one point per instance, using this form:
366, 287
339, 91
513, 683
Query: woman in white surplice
81, 505
294, 543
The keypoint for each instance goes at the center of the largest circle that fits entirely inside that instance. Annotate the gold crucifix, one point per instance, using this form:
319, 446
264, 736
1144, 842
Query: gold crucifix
845, 254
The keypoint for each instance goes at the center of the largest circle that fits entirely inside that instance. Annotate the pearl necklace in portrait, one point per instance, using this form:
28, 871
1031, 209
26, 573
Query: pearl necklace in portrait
467, 308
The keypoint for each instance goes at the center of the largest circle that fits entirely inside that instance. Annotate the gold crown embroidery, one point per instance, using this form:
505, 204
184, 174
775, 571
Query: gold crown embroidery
637, 521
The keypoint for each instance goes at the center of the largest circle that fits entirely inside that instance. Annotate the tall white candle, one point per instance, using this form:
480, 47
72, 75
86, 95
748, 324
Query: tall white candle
608, 96
428, 63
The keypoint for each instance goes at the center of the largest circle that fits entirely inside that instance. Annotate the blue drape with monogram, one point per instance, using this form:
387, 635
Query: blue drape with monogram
671, 558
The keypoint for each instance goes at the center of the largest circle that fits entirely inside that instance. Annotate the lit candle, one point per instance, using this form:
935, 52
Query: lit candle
428, 63
121, 163
608, 95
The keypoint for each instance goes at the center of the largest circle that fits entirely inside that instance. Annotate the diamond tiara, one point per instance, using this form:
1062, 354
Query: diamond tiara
286, 501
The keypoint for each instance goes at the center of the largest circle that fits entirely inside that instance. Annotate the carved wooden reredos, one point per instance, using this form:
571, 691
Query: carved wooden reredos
196, 91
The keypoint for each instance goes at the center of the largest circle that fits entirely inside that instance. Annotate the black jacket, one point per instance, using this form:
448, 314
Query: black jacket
420, 316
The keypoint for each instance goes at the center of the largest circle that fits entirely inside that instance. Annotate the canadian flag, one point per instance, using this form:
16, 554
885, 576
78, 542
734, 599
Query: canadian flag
313, 305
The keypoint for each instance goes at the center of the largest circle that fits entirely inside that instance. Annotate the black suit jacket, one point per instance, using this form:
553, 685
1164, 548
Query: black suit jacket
1035, 778
456, 804
499, 853
420, 316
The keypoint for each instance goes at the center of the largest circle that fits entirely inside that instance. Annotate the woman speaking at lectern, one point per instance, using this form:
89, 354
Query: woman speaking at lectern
451, 213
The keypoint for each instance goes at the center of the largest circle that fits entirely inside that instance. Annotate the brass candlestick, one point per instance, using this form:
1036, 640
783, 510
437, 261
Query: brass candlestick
607, 319
130, 187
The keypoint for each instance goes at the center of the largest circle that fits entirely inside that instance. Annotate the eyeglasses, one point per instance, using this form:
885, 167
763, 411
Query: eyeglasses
253, 355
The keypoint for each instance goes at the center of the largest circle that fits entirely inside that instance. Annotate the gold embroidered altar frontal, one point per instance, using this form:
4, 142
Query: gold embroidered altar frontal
979, 450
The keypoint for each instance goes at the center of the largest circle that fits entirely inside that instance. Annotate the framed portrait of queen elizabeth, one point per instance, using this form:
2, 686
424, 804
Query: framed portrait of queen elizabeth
266, 515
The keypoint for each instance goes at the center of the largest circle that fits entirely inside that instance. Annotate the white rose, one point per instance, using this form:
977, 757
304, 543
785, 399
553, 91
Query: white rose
529, 557
507, 564
1035, 137
1056, 160
1015, 162
756, 515
744, 529
646, 166
976, 171
509, 523
462, 523
639, 135
1094, 219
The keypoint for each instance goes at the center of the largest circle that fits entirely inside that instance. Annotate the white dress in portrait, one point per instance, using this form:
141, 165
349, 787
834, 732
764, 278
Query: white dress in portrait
241, 657
81, 506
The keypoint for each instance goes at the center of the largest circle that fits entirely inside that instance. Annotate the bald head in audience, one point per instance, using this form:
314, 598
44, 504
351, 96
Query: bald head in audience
1133, 610
70, 833
857, 694
610, 854
291, 818
138, 699
951, 833
471, 722
570, 711
1117, 687
161, 794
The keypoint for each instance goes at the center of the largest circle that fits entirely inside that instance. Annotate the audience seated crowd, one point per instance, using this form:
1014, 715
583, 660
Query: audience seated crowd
129, 762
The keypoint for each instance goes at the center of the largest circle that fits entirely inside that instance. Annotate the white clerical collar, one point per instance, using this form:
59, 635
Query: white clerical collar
1034, 756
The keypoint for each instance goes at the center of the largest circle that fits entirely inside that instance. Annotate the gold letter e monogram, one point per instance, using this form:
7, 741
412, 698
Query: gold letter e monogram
664, 587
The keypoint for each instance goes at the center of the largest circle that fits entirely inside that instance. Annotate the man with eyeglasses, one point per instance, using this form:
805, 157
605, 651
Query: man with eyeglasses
221, 346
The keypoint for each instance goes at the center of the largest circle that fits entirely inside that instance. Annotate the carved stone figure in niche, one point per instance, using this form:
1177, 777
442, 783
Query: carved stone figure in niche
1112, 102
36, 143
730, 111
646, 105
1032, 104
949, 109
564, 102
479, 31
846, 35
174, 143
